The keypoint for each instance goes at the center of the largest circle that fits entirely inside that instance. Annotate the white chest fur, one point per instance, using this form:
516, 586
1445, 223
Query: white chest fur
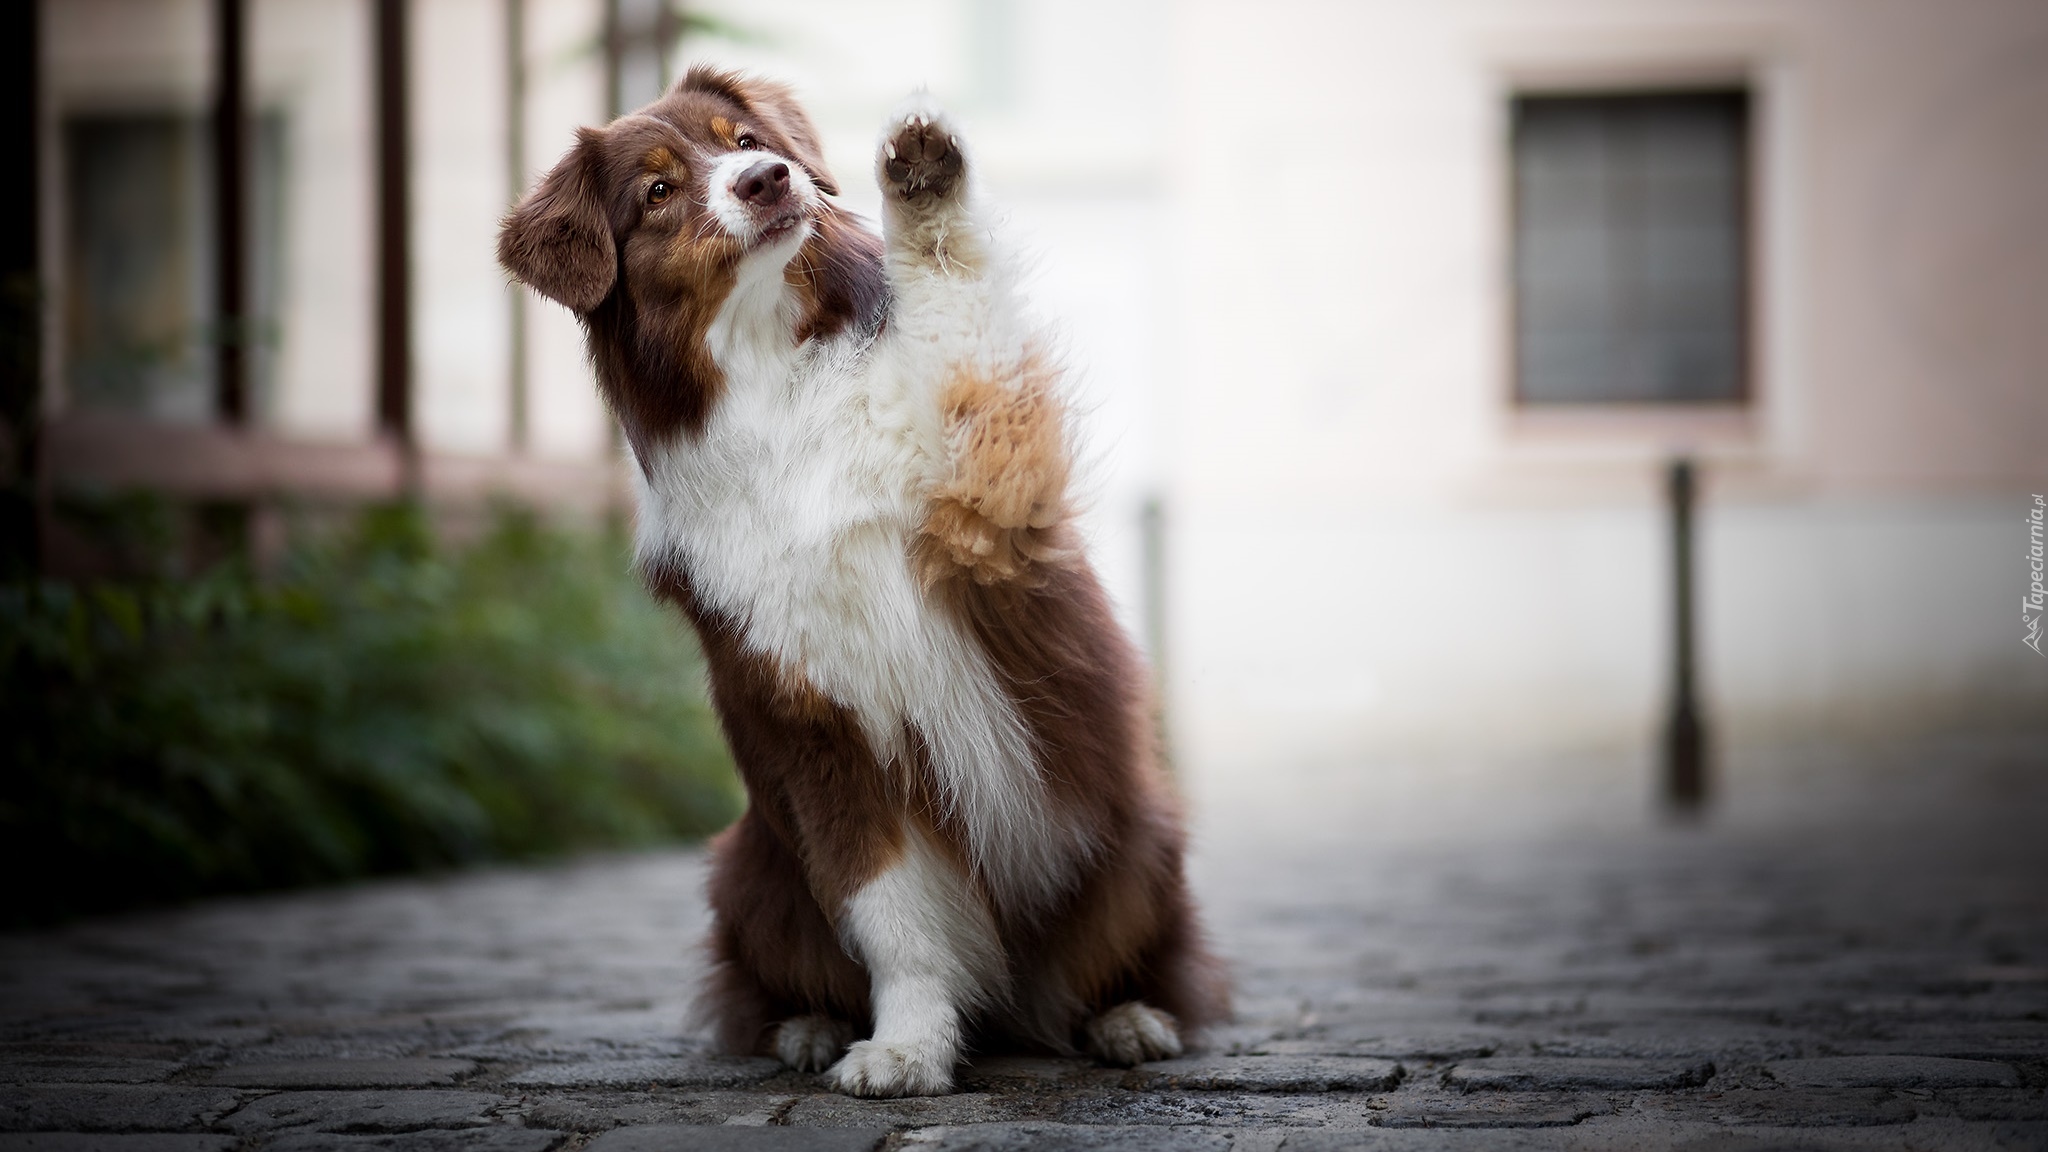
792, 512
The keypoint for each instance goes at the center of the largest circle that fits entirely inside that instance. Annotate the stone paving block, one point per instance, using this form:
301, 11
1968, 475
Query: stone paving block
1167, 1109
1409, 1140
1918, 1136
988, 1071
731, 1138
591, 1110
1676, 1037
429, 1140
387, 1110
1417, 1047
833, 1110
113, 1142
1549, 1074
674, 1072
421, 1072
332, 1041
1981, 1103
1996, 1043
1050, 1137
114, 1108
101, 1062
177, 1029
88, 1072
1266, 1074
1516, 1110
1892, 1072
1791, 1107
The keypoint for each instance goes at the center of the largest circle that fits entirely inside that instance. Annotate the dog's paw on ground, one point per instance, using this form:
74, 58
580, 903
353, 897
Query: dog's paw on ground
1132, 1033
921, 154
883, 1068
811, 1043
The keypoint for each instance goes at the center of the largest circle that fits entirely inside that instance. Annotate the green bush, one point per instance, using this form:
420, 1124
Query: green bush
377, 704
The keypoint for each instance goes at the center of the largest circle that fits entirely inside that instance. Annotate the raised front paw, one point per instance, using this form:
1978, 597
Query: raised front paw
921, 156
894, 1068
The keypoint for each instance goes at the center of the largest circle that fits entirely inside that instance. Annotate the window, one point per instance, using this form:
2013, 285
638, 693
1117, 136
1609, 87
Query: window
140, 328
1631, 248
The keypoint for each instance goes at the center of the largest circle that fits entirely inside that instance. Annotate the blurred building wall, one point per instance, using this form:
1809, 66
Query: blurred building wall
1276, 240
313, 431
1377, 548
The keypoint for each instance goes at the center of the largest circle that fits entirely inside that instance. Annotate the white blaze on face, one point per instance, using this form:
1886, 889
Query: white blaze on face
749, 337
739, 221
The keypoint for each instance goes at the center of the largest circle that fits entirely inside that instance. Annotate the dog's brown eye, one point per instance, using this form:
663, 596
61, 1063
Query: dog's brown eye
748, 143
659, 192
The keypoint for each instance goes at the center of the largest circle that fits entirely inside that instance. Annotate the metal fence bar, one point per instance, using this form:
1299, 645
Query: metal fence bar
394, 236
231, 211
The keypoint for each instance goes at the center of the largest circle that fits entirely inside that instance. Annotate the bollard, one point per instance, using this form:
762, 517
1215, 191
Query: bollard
1685, 769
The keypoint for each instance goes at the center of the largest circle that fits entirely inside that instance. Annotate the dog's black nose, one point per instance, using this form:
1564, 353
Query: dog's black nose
763, 184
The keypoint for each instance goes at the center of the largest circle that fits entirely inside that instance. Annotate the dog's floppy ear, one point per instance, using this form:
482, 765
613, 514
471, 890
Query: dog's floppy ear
776, 107
558, 239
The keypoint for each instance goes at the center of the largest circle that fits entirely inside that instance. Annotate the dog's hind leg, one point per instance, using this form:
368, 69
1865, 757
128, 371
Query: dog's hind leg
775, 957
811, 1043
1132, 1033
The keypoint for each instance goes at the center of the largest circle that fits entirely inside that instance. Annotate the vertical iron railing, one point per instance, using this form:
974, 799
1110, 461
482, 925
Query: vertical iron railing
231, 211
394, 239
22, 492
515, 178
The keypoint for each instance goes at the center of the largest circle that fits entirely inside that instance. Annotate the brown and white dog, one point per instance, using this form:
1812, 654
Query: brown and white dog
852, 470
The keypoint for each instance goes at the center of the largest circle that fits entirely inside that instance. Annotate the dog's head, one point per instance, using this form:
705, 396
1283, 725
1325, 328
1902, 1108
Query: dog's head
668, 199
646, 225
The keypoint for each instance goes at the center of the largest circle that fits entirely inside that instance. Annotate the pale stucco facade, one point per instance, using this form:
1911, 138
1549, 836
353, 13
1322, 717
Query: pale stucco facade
1276, 237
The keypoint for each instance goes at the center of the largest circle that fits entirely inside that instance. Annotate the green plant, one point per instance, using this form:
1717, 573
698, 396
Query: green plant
378, 703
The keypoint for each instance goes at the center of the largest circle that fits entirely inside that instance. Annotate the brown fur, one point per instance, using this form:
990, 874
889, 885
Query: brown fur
996, 547
823, 818
1129, 930
991, 518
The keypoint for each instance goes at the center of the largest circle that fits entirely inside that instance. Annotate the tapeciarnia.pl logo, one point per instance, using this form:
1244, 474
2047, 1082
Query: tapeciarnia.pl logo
2036, 600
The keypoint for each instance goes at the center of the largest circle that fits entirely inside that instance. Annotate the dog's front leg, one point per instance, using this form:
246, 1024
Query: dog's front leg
930, 949
1002, 482
933, 239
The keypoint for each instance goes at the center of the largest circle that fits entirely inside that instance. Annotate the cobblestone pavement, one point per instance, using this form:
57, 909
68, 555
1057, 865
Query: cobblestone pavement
1852, 953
